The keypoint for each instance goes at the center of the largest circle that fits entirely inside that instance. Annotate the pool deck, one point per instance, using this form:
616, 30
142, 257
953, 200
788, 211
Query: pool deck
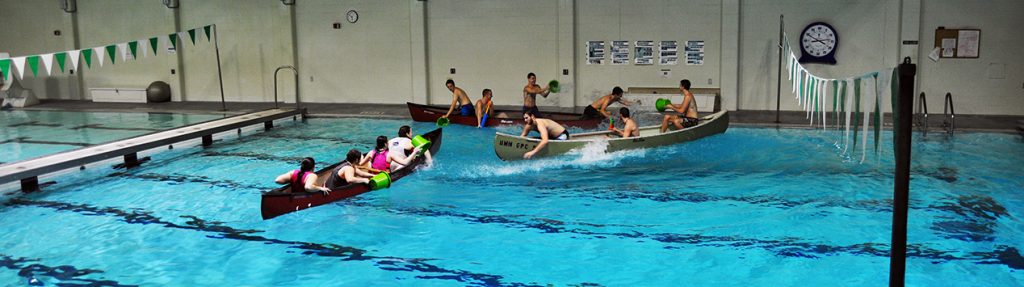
996, 123
28, 171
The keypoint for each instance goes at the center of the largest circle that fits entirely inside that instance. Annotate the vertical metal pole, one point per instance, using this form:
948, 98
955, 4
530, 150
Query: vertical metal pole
778, 82
901, 189
220, 75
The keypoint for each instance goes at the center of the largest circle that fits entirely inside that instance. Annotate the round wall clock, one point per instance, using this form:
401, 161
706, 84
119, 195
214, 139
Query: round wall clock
352, 16
818, 43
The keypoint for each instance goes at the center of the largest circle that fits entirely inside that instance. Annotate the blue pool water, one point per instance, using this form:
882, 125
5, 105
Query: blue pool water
751, 207
29, 134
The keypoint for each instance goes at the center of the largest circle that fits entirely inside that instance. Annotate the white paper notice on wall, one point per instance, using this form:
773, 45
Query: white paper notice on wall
934, 55
967, 43
595, 52
947, 47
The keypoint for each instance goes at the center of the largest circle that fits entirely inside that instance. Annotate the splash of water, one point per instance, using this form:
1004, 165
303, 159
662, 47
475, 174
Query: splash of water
591, 155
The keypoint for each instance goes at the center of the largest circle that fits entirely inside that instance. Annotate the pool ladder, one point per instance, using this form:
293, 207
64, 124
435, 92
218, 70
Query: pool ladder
921, 115
276, 103
948, 122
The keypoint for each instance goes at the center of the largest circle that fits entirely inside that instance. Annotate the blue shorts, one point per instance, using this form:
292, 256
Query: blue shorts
467, 110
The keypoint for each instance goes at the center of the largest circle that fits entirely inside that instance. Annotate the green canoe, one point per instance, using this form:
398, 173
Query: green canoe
512, 147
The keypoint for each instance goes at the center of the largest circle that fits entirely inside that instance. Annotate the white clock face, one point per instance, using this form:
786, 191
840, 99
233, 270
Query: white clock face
818, 40
352, 16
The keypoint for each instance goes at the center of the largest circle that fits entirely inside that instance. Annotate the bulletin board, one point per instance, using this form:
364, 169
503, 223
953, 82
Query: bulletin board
958, 43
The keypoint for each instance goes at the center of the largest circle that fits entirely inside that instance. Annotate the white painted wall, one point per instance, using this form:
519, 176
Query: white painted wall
974, 83
655, 20
103, 22
23, 34
365, 62
492, 44
867, 42
255, 38
402, 50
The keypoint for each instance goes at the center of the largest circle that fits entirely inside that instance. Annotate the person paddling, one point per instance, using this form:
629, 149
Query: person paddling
547, 129
302, 179
484, 108
459, 99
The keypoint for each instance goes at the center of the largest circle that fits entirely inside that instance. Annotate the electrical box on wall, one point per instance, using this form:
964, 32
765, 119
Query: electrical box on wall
336, 25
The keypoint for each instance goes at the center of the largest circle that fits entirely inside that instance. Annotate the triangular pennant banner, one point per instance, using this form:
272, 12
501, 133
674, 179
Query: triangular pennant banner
73, 56
192, 35
47, 62
19, 64
87, 56
99, 54
5, 69
182, 36
174, 40
61, 59
154, 43
133, 47
33, 63
207, 30
112, 50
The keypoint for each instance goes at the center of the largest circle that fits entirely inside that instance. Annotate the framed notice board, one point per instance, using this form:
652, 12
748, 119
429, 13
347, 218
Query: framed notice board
958, 43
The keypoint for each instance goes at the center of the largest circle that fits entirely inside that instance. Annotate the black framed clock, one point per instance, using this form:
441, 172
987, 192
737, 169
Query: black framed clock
818, 44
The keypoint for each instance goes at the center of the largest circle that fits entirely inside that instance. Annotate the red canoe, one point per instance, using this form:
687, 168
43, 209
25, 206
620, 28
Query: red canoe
279, 201
425, 113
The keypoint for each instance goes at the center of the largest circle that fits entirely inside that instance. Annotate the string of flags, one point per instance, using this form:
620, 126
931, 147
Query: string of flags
855, 101
97, 56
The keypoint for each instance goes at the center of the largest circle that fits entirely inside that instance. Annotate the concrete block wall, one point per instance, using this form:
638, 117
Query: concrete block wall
403, 50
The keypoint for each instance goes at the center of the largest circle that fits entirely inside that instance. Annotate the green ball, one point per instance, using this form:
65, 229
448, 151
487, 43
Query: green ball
553, 86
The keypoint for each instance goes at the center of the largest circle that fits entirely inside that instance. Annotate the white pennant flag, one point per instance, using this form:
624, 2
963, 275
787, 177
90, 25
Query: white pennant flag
867, 92
99, 52
19, 63
73, 56
182, 38
849, 113
124, 50
144, 46
884, 84
47, 62
824, 99
793, 77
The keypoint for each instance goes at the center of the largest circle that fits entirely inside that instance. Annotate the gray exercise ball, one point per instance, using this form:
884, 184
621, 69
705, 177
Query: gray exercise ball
158, 92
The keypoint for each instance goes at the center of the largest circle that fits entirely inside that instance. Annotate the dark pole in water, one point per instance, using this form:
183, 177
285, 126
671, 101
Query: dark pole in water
220, 76
901, 189
778, 81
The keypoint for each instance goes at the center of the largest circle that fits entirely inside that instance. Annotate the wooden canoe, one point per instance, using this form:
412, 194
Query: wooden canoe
425, 113
280, 201
512, 147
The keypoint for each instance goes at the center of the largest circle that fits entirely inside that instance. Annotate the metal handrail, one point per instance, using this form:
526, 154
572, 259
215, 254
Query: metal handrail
296, 85
948, 110
922, 109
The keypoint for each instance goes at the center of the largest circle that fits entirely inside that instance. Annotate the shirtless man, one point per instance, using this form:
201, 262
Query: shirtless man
688, 108
530, 92
484, 106
630, 129
547, 129
599, 108
459, 98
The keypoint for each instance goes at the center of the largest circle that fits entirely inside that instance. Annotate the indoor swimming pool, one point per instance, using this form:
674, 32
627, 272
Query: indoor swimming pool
751, 207
30, 134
